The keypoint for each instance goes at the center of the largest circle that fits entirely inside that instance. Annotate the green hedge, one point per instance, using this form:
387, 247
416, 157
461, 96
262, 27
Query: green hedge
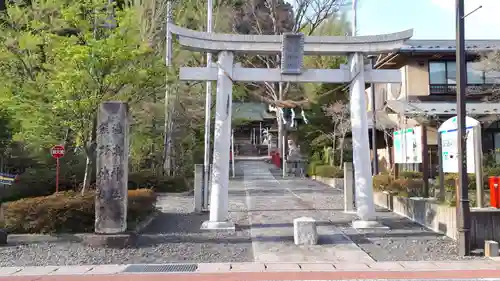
410, 175
401, 186
159, 183
69, 212
328, 171
42, 182
311, 168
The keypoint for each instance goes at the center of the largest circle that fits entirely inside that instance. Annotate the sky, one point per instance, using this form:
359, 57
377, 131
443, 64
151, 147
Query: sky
430, 19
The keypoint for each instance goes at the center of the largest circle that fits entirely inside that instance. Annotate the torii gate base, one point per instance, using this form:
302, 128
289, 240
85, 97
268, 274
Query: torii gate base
292, 47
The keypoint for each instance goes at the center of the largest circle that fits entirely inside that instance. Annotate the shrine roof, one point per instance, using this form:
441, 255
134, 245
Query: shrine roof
251, 111
449, 45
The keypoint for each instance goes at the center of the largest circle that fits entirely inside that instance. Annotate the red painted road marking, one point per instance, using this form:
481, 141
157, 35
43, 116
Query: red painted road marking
260, 276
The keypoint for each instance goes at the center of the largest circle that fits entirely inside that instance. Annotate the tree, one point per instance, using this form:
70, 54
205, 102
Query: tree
178, 116
276, 17
339, 113
61, 79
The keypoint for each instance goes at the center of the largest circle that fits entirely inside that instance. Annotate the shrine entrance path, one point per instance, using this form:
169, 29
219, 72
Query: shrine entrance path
275, 201
272, 206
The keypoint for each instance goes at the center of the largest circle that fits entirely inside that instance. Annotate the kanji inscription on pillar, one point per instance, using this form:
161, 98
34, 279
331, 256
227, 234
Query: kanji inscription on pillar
112, 168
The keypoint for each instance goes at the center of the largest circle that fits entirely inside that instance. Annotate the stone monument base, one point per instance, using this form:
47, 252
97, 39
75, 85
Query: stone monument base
218, 225
118, 241
371, 224
3, 237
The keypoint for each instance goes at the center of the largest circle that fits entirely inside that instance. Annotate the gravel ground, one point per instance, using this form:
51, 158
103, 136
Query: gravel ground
174, 236
404, 241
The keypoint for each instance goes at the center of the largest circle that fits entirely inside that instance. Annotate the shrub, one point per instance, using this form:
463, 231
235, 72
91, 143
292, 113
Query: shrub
41, 180
492, 171
406, 187
381, 182
69, 212
159, 183
451, 179
398, 187
401, 187
410, 175
311, 168
328, 171
33, 183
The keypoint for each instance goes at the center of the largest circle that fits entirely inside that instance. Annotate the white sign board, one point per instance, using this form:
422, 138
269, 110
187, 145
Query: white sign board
449, 144
408, 146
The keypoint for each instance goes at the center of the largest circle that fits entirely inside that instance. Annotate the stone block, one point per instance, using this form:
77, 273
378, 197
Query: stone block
304, 231
117, 241
112, 168
490, 248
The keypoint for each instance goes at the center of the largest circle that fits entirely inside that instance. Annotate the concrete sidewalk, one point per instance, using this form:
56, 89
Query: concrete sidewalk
268, 271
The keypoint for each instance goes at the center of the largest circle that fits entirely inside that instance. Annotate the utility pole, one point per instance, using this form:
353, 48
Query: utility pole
208, 118
374, 125
463, 208
167, 153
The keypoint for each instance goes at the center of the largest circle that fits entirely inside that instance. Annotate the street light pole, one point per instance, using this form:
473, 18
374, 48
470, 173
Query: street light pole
463, 208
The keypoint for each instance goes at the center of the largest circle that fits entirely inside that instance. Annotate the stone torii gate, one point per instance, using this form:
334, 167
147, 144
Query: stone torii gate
292, 48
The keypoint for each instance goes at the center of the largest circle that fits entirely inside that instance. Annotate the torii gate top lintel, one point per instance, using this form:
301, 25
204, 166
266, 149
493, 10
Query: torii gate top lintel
272, 44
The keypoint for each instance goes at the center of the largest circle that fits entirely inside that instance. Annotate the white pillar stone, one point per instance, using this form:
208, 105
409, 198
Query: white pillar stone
198, 190
304, 231
112, 168
360, 141
490, 248
219, 197
348, 188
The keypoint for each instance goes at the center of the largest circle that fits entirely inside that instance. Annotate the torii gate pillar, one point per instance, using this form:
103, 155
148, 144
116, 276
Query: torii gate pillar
360, 146
219, 194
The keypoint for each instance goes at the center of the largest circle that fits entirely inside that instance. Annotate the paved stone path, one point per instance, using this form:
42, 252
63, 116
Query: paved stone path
272, 208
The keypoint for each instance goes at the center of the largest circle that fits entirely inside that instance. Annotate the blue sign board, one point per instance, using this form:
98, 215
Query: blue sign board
7, 179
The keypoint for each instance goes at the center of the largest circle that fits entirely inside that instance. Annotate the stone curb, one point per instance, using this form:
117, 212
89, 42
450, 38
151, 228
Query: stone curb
184, 193
252, 267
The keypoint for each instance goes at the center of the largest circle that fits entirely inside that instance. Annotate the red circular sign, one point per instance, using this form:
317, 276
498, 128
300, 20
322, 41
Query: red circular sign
57, 151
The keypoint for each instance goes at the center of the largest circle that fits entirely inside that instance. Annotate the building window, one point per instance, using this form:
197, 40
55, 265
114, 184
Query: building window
443, 72
451, 72
443, 76
474, 75
437, 72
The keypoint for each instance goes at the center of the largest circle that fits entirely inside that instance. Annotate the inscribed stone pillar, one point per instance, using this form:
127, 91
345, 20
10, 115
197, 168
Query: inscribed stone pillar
112, 168
360, 141
348, 188
219, 193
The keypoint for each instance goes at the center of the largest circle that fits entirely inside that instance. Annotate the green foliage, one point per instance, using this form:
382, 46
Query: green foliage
69, 212
406, 187
410, 175
328, 171
311, 168
381, 182
492, 171
450, 182
159, 183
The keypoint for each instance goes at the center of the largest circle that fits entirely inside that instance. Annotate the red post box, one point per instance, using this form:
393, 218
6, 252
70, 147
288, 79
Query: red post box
278, 160
494, 183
